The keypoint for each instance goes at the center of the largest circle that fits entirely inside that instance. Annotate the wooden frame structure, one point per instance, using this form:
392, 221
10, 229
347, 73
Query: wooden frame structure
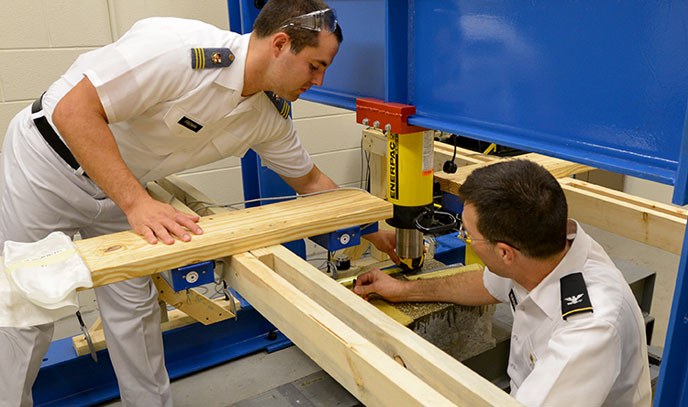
375, 358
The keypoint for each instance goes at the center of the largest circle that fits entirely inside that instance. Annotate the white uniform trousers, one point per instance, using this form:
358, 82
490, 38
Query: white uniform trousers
41, 194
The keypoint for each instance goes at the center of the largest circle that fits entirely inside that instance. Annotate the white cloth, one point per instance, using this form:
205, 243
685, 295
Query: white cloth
589, 359
146, 85
17, 311
47, 272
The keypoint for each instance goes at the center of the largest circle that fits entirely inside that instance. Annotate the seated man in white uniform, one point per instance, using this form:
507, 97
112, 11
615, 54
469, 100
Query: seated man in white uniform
171, 94
578, 337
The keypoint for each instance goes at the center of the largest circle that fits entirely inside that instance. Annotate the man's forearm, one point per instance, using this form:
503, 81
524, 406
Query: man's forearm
314, 181
464, 288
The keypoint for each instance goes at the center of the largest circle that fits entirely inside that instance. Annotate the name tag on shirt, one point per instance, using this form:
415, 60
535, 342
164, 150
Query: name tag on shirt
190, 124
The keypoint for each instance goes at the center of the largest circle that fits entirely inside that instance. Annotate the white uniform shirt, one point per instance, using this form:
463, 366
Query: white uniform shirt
146, 84
590, 359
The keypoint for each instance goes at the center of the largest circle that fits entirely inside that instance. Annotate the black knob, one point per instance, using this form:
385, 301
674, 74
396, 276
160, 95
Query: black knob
449, 167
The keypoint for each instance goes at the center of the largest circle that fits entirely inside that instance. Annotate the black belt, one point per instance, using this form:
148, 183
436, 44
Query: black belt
51, 136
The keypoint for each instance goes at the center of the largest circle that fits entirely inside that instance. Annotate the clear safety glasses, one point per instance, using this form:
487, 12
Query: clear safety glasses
467, 239
319, 20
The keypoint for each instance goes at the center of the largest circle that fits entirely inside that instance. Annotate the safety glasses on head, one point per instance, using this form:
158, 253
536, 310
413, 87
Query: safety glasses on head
319, 20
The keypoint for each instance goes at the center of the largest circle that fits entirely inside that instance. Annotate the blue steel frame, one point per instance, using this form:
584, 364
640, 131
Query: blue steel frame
598, 82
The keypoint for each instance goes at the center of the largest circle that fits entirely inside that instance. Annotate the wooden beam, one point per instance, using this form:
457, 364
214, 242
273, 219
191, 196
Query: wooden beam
162, 195
190, 196
653, 223
558, 168
364, 370
120, 256
448, 376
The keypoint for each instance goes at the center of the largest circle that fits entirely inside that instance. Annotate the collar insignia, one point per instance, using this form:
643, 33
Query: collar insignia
282, 106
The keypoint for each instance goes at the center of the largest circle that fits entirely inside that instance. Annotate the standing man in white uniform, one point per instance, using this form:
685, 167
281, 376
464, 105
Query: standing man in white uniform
578, 337
171, 94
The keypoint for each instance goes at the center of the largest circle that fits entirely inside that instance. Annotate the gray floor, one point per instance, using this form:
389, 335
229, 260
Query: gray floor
289, 378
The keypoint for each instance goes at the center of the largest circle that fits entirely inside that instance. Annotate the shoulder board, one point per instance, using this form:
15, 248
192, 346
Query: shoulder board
202, 58
574, 295
282, 106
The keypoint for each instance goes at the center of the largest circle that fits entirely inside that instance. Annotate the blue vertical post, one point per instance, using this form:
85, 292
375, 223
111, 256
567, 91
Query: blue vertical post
234, 12
396, 52
673, 374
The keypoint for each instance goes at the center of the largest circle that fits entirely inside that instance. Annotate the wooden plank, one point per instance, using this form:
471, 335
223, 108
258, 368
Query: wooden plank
191, 302
190, 196
120, 256
364, 370
162, 195
448, 376
175, 319
643, 220
558, 168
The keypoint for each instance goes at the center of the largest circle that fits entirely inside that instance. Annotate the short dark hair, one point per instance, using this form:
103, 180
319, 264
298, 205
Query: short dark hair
519, 202
276, 13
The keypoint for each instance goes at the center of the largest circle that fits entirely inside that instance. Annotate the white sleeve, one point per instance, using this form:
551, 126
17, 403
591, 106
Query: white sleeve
578, 368
284, 154
497, 286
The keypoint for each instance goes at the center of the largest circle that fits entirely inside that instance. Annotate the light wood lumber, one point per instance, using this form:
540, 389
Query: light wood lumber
162, 195
120, 256
653, 223
191, 302
175, 319
97, 326
448, 376
190, 196
558, 168
364, 370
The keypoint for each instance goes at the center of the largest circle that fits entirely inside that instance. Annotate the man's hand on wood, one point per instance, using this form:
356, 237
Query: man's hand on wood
156, 220
378, 282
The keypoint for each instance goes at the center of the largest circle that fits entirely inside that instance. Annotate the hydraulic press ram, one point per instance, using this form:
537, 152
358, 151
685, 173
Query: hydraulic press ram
409, 176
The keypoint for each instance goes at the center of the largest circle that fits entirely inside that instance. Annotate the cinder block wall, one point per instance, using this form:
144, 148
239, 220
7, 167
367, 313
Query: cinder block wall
39, 40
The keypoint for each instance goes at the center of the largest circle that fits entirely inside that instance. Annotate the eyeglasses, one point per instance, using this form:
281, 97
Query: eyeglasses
463, 235
319, 20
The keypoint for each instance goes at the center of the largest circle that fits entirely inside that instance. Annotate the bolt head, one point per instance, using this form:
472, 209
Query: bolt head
376, 124
366, 121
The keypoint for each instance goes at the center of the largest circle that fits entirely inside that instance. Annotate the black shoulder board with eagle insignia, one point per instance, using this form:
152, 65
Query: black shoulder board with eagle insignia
574, 295
282, 106
202, 58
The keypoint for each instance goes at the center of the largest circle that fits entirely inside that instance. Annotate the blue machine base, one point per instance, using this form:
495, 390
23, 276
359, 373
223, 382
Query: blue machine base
66, 379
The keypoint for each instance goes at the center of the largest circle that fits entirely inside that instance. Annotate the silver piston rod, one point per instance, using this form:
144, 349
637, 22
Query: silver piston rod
409, 243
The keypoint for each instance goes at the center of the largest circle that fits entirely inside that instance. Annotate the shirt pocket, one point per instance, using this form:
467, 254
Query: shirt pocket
185, 127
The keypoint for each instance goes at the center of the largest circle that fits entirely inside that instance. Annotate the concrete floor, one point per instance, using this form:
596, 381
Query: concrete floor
261, 379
